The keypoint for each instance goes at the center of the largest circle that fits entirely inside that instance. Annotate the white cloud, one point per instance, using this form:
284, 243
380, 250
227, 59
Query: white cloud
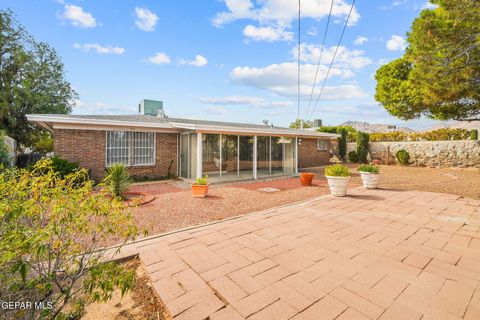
345, 58
78, 17
255, 102
99, 49
276, 16
282, 80
430, 6
269, 34
159, 58
360, 40
282, 11
82, 107
396, 43
146, 20
394, 4
312, 31
215, 110
199, 61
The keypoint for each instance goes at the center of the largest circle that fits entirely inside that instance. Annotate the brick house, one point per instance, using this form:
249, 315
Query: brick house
153, 145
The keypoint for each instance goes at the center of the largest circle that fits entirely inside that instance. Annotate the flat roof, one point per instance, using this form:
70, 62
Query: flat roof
49, 121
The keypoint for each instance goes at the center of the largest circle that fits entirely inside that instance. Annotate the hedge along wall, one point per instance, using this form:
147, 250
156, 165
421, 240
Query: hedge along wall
452, 153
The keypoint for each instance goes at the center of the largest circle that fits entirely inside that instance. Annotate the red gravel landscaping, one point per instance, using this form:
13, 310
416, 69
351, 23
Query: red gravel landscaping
154, 188
282, 184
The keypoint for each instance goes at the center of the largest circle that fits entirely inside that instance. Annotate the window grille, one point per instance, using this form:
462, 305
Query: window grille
130, 148
322, 145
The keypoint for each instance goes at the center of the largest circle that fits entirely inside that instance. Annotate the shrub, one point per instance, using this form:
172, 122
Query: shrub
403, 157
342, 143
369, 168
202, 181
337, 170
433, 135
44, 144
353, 157
335, 129
50, 245
474, 134
118, 179
5, 158
362, 146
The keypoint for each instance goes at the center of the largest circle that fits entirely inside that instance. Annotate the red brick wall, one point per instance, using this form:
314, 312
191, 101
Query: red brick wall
87, 148
309, 156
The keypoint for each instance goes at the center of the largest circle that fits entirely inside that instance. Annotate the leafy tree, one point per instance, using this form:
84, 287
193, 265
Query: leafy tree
439, 74
32, 80
334, 129
342, 143
297, 124
44, 142
51, 233
5, 160
362, 146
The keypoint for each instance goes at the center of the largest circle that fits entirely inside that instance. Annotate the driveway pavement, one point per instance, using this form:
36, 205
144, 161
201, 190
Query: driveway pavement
373, 255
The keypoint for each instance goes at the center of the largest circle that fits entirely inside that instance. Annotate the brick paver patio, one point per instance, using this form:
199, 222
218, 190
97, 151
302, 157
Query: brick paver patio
373, 255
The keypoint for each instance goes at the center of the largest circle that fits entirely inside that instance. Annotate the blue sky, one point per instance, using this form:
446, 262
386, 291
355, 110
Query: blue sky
232, 60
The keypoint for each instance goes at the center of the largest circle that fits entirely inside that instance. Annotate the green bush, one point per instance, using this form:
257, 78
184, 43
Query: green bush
433, 135
52, 233
337, 170
369, 168
403, 157
342, 143
202, 181
335, 129
353, 156
4, 155
44, 144
118, 179
362, 146
474, 134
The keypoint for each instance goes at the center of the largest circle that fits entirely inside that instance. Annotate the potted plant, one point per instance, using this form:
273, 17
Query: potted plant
306, 178
370, 175
200, 187
338, 177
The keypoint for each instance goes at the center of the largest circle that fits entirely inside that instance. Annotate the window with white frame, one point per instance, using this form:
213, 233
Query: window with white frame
130, 148
322, 144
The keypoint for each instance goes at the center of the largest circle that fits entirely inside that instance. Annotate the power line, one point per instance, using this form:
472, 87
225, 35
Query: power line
298, 65
320, 58
333, 59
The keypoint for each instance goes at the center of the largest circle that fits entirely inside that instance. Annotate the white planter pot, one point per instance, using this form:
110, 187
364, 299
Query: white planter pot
338, 185
370, 180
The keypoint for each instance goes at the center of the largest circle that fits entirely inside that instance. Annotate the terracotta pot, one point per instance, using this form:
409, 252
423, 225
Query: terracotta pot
306, 178
199, 190
338, 185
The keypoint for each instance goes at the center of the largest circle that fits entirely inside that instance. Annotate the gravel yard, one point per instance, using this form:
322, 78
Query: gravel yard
175, 208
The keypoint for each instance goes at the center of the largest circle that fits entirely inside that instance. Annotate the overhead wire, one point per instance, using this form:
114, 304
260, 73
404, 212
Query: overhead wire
333, 60
320, 58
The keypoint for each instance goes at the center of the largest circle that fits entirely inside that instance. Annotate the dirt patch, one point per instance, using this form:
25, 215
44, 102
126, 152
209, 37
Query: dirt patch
459, 181
139, 304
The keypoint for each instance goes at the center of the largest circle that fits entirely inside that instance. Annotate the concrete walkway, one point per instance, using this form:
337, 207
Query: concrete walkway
373, 255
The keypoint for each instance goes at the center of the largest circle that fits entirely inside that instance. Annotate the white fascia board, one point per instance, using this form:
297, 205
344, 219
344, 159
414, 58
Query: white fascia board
252, 131
66, 120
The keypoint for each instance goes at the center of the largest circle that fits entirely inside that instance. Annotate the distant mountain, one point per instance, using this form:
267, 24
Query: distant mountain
457, 125
368, 127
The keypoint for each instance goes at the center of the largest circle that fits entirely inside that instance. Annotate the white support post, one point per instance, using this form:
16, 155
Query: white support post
296, 154
254, 157
220, 142
238, 156
199, 155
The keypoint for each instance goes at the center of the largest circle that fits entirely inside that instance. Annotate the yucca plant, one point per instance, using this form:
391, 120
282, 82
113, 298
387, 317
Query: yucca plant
118, 179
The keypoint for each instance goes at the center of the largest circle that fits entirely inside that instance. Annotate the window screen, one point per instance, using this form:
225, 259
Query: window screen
130, 148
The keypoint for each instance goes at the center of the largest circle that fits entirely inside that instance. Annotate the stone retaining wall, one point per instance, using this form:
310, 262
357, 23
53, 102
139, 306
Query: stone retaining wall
454, 153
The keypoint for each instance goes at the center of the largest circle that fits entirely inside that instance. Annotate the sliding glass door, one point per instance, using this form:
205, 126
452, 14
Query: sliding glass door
227, 157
